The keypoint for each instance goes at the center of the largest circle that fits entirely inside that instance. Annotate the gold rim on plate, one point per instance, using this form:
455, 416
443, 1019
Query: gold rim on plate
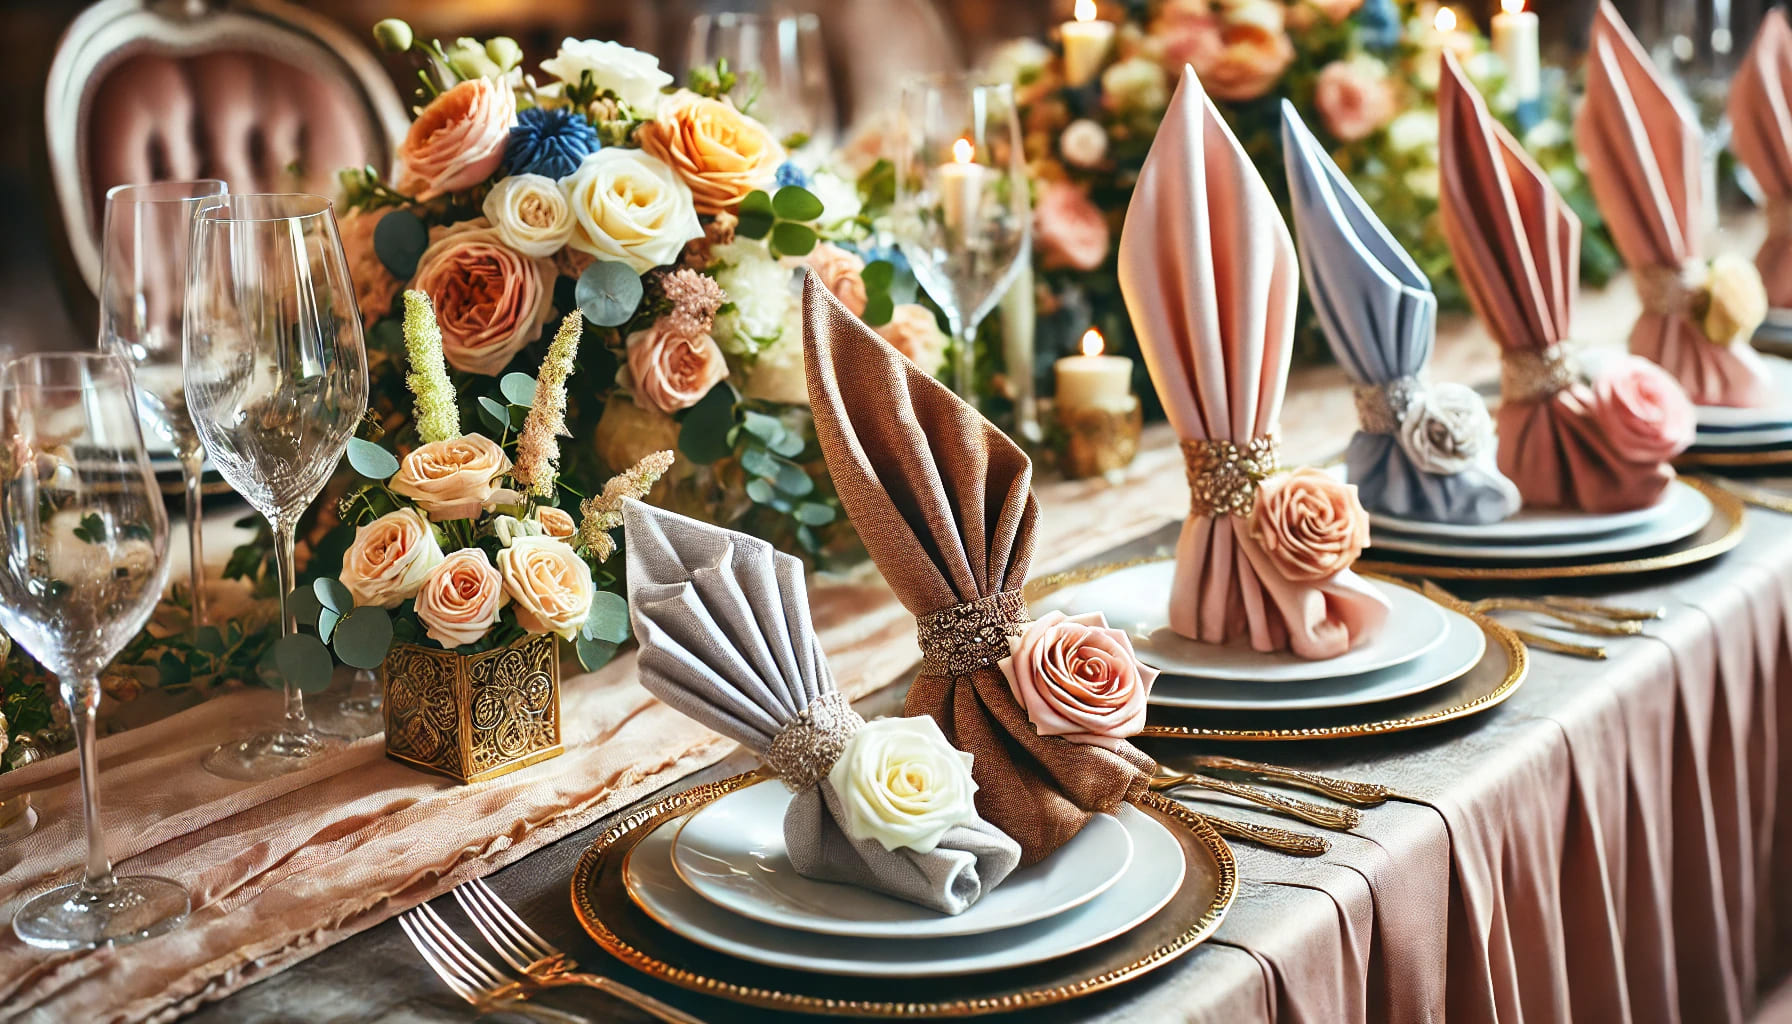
625, 932
1710, 457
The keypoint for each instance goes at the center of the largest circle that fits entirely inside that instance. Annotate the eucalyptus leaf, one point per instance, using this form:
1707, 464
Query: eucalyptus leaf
495, 414
793, 481
518, 389
791, 239
326, 623
595, 654
304, 604
608, 293
703, 435
765, 428
790, 445
304, 661
794, 202
333, 595
761, 463
370, 460
879, 309
805, 536
362, 639
814, 513
765, 494
399, 240
608, 618
172, 670
210, 640
877, 275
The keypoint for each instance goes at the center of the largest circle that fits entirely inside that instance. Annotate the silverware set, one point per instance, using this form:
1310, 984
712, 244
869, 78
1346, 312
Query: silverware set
1208, 776
1574, 614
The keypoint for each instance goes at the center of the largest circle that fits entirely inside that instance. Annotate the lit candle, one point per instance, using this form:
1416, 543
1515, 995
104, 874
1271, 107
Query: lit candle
1515, 40
1449, 37
1093, 380
961, 186
1086, 43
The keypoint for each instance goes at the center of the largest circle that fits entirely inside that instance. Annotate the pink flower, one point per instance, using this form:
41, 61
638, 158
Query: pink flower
1239, 56
556, 521
914, 332
458, 140
390, 558
1078, 678
839, 272
549, 583
1354, 98
1071, 230
490, 299
460, 598
375, 287
672, 369
1310, 524
1643, 410
452, 479
1336, 10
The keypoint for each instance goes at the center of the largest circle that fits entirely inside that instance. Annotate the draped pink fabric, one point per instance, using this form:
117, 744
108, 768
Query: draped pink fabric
1761, 121
1643, 160
1209, 275
1517, 251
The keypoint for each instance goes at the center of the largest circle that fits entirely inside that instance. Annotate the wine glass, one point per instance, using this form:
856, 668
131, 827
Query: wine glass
276, 382
785, 63
1697, 44
83, 558
143, 280
962, 214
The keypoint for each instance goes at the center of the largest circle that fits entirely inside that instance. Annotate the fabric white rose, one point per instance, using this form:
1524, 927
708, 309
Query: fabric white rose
632, 75
903, 785
631, 208
531, 214
1445, 428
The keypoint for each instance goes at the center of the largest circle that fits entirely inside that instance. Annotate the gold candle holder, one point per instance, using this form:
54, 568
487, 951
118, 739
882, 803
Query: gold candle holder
1099, 440
473, 717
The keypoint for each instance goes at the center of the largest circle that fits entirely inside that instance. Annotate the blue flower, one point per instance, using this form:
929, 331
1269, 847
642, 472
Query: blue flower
789, 173
1379, 21
549, 142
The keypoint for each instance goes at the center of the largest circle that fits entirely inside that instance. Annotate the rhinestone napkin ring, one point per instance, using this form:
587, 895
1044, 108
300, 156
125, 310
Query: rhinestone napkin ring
1223, 478
810, 743
1381, 408
1531, 375
969, 636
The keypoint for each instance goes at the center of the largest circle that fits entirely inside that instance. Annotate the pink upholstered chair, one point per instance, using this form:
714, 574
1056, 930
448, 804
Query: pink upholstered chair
260, 93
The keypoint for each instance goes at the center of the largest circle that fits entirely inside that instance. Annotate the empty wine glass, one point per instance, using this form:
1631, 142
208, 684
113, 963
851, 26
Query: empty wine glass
1696, 43
785, 61
962, 213
83, 558
143, 280
276, 381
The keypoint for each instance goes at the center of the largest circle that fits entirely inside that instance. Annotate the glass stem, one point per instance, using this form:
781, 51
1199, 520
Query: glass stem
192, 468
83, 699
964, 358
296, 722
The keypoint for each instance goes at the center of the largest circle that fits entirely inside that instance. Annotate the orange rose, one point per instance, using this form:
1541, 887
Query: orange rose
914, 332
1354, 98
375, 287
549, 584
390, 558
1242, 55
490, 299
719, 152
672, 370
1311, 525
460, 598
840, 272
556, 521
458, 140
451, 479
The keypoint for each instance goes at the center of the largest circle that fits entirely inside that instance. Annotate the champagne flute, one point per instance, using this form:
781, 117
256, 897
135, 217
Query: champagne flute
276, 382
962, 213
83, 559
786, 61
142, 287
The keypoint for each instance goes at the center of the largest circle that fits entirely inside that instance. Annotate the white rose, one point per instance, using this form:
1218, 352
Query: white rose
530, 214
839, 199
903, 785
1412, 131
630, 208
635, 77
1446, 428
1017, 59
1136, 83
1084, 143
759, 299
548, 583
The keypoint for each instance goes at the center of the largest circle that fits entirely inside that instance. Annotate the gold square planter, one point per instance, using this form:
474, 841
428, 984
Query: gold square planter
473, 717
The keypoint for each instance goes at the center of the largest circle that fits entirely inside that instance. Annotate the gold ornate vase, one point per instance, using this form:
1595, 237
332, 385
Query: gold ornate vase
473, 717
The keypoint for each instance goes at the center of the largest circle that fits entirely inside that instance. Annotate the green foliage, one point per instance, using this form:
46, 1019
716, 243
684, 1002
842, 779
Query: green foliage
370, 460
704, 430
784, 219
712, 80
608, 293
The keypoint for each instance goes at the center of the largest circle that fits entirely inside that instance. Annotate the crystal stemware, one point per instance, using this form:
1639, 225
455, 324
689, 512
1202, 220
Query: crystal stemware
83, 559
785, 62
276, 382
143, 272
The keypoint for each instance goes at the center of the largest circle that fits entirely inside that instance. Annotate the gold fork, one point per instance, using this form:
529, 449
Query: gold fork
1360, 794
1300, 844
1342, 819
1531, 639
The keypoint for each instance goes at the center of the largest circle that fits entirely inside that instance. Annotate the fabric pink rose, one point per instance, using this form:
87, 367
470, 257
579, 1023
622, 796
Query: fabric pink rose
840, 272
672, 369
1643, 410
549, 584
1071, 231
914, 332
490, 299
460, 598
1078, 678
452, 479
375, 287
1310, 524
1239, 56
1354, 98
556, 521
458, 140
390, 558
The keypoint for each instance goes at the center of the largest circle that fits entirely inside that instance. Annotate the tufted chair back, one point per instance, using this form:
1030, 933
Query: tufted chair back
261, 93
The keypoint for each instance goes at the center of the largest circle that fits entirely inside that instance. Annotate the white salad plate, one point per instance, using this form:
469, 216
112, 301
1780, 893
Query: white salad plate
1714, 419
1683, 512
1148, 883
1743, 437
731, 852
1136, 599
1531, 526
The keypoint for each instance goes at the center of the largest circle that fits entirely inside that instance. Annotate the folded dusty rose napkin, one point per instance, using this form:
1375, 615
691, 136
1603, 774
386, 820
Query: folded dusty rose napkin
1209, 275
943, 501
1568, 440
1643, 154
1761, 125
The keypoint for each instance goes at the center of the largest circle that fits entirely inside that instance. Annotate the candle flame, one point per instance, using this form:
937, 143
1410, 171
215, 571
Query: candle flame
1446, 20
963, 151
1512, 6
1085, 10
1092, 342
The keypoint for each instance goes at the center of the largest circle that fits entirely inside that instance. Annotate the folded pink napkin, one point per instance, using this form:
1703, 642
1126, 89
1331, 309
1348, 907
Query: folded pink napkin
1567, 441
1208, 271
1643, 156
1761, 120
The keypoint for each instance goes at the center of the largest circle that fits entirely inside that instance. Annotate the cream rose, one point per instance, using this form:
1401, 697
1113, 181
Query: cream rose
635, 77
490, 300
452, 479
460, 598
1446, 428
672, 370
916, 334
721, 153
903, 785
1083, 143
556, 521
631, 208
840, 272
458, 139
1736, 300
1078, 678
1311, 525
530, 214
549, 583
390, 558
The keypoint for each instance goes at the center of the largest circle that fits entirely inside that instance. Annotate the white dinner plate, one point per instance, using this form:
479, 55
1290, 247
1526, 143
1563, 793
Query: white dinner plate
1461, 649
732, 853
1684, 512
1137, 600
1531, 525
1715, 418
1743, 437
1149, 882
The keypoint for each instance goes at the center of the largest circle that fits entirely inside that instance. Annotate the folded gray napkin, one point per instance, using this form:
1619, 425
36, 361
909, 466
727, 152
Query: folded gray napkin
723, 622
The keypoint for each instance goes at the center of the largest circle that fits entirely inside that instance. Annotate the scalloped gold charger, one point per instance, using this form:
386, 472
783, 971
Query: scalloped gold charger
1712, 458
605, 911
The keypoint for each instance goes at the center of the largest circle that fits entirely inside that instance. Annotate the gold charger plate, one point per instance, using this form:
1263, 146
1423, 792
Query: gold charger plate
1718, 459
612, 919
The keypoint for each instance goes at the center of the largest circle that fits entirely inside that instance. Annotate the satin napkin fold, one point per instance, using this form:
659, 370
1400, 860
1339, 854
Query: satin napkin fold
726, 639
1421, 450
1643, 155
1761, 127
943, 501
1566, 441
1209, 276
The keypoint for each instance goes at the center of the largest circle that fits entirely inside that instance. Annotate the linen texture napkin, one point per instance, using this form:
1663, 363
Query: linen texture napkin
726, 639
1209, 276
1421, 450
1761, 125
943, 501
1599, 443
1643, 155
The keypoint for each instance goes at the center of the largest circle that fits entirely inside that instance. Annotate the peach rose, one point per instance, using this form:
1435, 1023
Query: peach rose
549, 583
390, 558
1354, 98
490, 299
672, 370
460, 598
916, 334
452, 479
375, 287
1239, 56
458, 140
721, 153
1310, 524
1643, 410
1070, 229
839, 272
556, 521
1078, 678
